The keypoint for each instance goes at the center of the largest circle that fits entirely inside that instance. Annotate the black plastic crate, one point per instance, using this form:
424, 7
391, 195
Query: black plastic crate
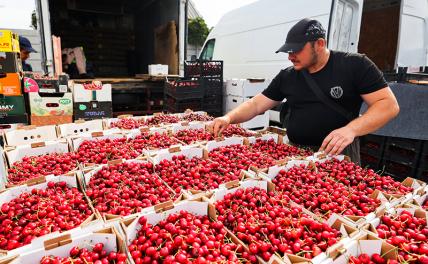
423, 161
425, 147
173, 105
399, 170
370, 161
373, 145
197, 69
422, 174
405, 143
215, 113
401, 155
184, 89
213, 86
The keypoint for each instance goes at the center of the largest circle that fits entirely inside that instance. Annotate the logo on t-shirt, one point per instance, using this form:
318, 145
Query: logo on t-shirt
336, 92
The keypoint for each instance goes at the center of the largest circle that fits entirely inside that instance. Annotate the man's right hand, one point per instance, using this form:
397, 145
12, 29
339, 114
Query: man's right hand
220, 124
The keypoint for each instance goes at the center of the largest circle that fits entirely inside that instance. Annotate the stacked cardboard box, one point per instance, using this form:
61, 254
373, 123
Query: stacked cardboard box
12, 103
92, 101
51, 102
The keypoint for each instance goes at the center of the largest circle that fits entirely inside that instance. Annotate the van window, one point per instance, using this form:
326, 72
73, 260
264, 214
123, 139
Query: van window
208, 51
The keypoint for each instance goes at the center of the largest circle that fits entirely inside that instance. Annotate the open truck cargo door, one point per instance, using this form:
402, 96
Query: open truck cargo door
344, 26
413, 32
45, 35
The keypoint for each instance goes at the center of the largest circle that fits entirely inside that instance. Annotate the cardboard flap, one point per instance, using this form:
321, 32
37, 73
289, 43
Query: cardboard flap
36, 181
29, 127
144, 129
57, 242
232, 184
115, 162
97, 134
174, 149
164, 206
38, 144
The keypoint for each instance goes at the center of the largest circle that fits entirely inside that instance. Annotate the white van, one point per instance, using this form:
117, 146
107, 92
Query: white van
391, 32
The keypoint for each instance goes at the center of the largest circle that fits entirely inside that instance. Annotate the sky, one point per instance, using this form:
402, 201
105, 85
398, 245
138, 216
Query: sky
16, 14
213, 10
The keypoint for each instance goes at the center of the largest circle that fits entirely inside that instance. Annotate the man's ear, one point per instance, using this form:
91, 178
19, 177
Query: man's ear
321, 44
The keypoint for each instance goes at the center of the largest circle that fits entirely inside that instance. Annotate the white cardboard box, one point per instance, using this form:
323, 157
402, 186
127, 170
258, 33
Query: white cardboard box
260, 121
3, 169
79, 127
41, 183
84, 93
30, 134
158, 69
95, 135
61, 245
246, 87
15, 154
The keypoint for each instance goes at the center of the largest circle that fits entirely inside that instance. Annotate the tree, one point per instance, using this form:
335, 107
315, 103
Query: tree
34, 19
197, 31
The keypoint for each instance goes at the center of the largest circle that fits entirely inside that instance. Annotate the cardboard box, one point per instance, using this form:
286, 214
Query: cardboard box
79, 127
14, 119
12, 106
3, 169
14, 154
41, 183
34, 82
131, 226
95, 135
364, 244
10, 84
85, 93
246, 87
347, 232
60, 245
10, 62
30, 134
158, 69
51, 109
92, 110
9, 41
92, 100
260, 121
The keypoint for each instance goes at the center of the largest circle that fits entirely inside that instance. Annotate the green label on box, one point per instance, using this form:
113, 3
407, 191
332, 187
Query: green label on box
65, 101
82, 107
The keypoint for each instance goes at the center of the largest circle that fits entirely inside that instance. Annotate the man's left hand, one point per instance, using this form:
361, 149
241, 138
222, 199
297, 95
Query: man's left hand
337, 141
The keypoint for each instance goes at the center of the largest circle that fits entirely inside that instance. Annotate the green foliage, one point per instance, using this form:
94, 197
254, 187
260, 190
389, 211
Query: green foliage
34, 19
197, 31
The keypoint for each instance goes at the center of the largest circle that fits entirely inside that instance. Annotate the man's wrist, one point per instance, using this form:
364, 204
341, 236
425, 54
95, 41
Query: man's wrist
228, 118
353, 129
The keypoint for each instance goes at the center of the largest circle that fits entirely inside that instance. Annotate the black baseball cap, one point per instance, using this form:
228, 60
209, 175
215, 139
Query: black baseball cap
24, 43
305, 30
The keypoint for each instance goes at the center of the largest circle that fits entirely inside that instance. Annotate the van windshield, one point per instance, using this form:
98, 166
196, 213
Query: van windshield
208, 51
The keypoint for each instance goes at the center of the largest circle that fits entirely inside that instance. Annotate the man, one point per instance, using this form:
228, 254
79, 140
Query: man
345, 79
26, 49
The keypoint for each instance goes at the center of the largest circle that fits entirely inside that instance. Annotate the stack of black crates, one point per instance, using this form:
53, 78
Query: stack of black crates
209, 74
182, 94
397, 157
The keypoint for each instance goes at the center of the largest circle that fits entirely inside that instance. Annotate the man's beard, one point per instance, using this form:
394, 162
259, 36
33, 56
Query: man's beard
314, 59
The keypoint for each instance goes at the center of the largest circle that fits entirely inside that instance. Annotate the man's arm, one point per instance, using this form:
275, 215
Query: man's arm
382, 107
244, 112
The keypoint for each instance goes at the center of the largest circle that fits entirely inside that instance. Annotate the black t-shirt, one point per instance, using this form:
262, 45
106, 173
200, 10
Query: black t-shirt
344, 78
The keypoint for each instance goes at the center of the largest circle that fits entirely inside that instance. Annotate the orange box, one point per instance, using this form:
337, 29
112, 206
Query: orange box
10, 84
